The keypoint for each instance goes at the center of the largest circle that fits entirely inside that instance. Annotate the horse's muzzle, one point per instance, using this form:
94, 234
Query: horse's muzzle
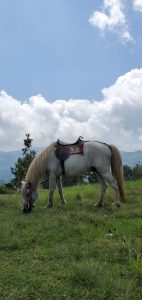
27, 208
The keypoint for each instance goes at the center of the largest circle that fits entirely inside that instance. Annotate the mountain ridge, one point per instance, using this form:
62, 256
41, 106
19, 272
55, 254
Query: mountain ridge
8, 160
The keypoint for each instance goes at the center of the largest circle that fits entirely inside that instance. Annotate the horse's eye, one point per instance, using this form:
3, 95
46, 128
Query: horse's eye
28, 193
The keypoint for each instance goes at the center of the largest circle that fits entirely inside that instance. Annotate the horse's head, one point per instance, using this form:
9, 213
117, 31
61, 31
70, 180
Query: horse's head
29, 196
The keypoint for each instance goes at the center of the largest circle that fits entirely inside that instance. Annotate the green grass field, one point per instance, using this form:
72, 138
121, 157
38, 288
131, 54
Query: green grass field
73, 253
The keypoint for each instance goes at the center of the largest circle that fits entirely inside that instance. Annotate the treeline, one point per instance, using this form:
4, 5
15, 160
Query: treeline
22, 164
90, 177
129, 174
132, 173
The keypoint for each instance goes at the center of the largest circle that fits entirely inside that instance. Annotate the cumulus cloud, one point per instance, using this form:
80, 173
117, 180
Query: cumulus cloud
115, 119
137, 4
113, 19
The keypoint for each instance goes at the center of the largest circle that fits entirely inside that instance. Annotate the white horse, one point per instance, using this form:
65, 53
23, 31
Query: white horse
104, 160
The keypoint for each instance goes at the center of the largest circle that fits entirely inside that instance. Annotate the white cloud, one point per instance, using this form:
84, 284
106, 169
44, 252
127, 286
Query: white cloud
113, 19
116, 119
137, 4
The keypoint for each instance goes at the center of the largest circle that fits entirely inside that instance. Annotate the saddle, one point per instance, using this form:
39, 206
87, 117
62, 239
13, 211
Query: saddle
64, 150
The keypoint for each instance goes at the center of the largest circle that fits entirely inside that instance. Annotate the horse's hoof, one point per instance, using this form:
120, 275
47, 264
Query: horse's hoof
64, 203
50, 205
98, 205
116, 206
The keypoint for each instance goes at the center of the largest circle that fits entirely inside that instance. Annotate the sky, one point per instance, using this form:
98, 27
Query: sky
71, 68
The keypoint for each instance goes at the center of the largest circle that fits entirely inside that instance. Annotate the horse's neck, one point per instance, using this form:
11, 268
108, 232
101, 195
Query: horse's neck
34, 174
38, 167
33, 180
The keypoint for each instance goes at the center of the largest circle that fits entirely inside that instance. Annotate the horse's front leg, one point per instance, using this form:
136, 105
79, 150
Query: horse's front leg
60, 190
52, 185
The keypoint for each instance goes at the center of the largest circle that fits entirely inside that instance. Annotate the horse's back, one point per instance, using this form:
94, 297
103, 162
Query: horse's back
95, 155
99, 153
97, 148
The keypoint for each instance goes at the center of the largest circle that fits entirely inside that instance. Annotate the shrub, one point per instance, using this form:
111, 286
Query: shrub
5, 190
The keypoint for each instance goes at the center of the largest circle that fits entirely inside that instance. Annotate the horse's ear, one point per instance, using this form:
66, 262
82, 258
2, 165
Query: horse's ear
23, 183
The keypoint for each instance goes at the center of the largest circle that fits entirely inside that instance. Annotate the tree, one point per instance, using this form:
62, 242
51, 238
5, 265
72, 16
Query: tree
22, 164
72, 180
90, 177
128, 172
137, 171
66, 181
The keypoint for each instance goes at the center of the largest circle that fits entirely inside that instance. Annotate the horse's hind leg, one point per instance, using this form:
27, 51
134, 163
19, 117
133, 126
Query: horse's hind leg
103, 187
52, 185
60, 190
112, 181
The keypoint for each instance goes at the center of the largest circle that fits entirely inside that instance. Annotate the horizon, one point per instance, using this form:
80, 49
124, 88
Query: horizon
42, 148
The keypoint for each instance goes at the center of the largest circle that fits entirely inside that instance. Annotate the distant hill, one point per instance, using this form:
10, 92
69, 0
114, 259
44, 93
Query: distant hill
8, 160
131, 158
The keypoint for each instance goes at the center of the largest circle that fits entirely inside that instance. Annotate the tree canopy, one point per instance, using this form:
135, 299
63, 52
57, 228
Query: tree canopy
21, 166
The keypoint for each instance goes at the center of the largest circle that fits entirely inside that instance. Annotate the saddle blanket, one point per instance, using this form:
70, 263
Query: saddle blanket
63, 152
77, 149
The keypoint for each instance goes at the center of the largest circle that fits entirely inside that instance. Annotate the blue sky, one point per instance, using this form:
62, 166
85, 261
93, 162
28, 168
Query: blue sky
68, 51
49, 47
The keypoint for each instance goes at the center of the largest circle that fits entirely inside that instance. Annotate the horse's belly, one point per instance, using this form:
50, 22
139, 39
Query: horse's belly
76, 165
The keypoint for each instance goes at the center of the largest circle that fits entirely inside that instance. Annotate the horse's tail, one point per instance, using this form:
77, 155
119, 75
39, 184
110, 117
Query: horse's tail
117, 170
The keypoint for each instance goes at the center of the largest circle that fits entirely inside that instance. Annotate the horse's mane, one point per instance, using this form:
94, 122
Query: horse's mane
38, 166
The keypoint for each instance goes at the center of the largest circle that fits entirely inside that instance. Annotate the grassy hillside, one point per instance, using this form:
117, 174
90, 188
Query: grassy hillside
75, 252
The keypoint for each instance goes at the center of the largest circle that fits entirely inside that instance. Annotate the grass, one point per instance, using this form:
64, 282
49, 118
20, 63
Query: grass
73, 253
